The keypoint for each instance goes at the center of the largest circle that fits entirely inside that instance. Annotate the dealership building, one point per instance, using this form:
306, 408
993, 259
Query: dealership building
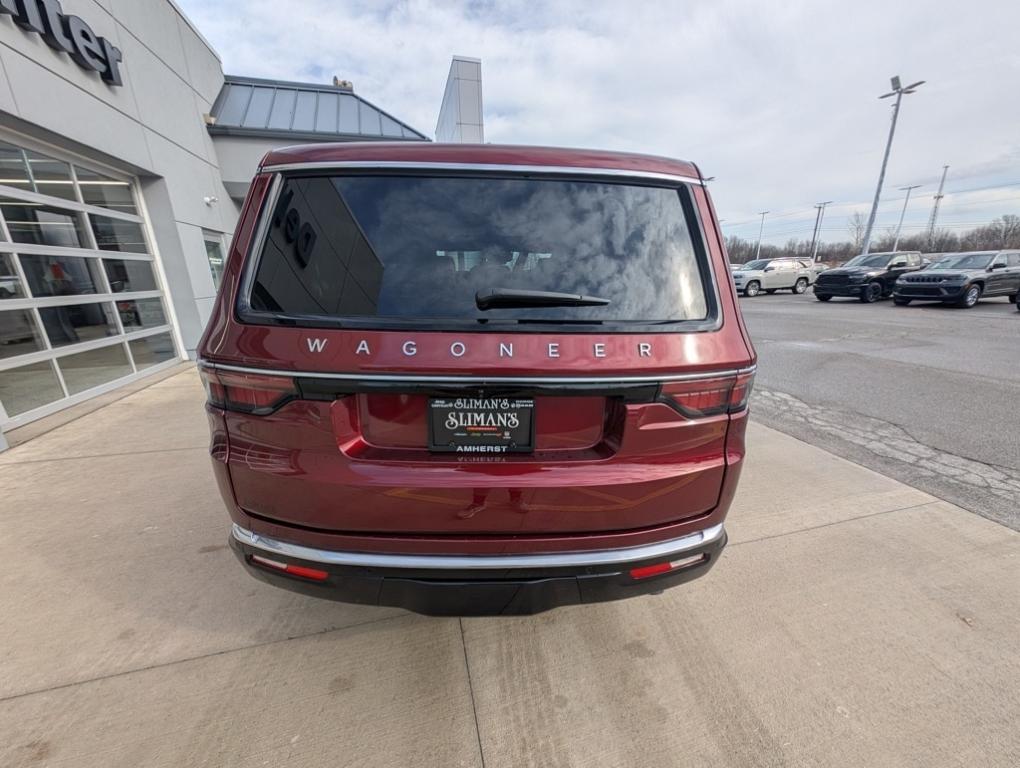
125, 155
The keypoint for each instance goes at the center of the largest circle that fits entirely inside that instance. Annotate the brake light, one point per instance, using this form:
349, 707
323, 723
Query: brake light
258, 394
710, 397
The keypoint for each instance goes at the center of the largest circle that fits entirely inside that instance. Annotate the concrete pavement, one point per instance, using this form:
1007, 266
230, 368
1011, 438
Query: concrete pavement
852, 621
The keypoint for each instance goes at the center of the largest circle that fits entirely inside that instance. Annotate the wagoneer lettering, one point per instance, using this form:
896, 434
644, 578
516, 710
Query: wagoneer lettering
526, 388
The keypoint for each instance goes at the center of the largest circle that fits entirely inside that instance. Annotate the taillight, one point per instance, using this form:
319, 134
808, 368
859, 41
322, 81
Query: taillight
710, 397
253, 393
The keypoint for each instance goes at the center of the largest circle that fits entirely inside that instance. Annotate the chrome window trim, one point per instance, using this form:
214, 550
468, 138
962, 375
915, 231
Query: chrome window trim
489, 167
474, 378
621, 556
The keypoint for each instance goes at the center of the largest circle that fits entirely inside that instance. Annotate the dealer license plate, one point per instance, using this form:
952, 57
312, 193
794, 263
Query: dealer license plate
482, 425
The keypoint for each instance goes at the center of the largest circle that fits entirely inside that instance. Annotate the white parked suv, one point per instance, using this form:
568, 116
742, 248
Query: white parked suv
771, 275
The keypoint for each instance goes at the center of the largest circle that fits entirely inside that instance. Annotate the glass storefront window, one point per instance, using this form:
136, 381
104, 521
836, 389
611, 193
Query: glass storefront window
152, 350
129, 275
141, 313
86, 370
61, 275
13, 170
52, 177
105, 192
40, 224
35, 172
117, 234
18, 333
10, 285
29, 387
77, 323
214, 252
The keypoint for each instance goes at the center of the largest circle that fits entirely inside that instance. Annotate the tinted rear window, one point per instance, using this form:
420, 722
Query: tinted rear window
420, 248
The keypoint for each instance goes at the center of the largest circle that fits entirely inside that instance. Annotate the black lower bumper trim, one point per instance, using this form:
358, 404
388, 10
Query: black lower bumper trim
944, 294
470, 593
844, 291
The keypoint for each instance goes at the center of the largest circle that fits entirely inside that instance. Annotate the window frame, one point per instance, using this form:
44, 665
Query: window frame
710, 281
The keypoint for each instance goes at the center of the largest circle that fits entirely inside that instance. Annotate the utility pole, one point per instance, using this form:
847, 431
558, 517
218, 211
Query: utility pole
899, 92
818, 229
899, 227
935, 208
757, 248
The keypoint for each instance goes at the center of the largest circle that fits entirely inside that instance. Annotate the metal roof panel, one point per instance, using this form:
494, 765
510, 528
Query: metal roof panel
255, 106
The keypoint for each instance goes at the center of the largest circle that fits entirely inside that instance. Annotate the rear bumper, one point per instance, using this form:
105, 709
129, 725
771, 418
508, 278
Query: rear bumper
481, 585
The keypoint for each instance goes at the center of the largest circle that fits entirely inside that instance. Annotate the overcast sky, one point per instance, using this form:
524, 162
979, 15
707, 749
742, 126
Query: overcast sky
780, 103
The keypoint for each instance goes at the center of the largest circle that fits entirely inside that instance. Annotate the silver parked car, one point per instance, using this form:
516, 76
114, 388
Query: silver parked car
771, 275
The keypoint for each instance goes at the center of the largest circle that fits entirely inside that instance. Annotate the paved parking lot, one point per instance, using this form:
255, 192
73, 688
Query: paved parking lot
925, 393
853, 621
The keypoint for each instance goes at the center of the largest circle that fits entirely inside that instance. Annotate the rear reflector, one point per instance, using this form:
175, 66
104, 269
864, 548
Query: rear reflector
247, 392
294, 570
647, 571
710, 397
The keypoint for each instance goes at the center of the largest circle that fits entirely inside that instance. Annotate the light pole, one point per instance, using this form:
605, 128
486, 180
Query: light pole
818, 229
898, 91
757, 248
935, 208
899, 227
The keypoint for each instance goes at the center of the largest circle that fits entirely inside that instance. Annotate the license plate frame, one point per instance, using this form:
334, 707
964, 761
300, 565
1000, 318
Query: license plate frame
481, 426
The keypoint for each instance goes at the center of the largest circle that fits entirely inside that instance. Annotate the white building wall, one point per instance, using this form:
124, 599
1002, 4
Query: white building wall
460, 116
152, 127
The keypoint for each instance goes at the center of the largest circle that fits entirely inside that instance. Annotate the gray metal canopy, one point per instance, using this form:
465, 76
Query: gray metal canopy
248, 106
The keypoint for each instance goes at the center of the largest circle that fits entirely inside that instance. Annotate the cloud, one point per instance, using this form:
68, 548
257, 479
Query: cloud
778, 101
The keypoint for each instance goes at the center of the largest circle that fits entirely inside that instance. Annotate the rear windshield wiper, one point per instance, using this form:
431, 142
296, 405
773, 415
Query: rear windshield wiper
505, 298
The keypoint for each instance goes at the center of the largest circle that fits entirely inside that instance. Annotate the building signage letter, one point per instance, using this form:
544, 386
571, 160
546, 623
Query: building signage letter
68, 34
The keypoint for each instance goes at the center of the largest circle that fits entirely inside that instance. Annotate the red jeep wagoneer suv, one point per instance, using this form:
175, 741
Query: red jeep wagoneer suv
476, 379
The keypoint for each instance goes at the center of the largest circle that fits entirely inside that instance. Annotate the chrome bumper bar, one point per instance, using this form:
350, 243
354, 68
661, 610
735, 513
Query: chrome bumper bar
662, 549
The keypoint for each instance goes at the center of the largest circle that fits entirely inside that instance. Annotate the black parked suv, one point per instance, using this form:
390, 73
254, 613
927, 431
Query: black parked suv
868, 277
962, 279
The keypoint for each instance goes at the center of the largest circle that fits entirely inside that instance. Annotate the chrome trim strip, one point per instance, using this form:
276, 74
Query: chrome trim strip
482, 562
499, 167
474, 379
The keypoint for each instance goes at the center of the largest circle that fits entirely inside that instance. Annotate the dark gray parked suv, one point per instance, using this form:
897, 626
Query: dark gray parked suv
868, 277
962, 279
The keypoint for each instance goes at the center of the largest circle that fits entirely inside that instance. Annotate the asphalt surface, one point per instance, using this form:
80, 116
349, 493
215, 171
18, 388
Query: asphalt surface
926, 394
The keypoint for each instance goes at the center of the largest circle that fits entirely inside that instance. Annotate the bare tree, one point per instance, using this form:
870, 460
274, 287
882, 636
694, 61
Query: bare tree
1004, 232
943, 241
856, 225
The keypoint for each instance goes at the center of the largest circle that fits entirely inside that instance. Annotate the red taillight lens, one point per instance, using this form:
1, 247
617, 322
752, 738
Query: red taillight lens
710, 397
294, 570
647, 571
247, 392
